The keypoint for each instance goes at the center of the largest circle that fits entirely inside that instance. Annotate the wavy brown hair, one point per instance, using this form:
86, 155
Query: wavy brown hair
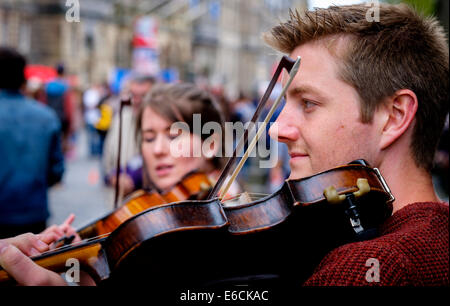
178, 102
403, 50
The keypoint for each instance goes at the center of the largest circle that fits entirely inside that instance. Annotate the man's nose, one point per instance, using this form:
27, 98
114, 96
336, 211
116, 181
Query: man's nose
285, 129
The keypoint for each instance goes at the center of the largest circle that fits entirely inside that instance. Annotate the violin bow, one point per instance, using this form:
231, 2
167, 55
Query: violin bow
292, 67
124, 101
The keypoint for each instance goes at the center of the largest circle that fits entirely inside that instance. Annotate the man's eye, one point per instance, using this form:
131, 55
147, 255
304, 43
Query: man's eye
308, 104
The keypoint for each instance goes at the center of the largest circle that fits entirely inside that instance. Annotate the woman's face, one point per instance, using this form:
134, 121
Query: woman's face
167, 167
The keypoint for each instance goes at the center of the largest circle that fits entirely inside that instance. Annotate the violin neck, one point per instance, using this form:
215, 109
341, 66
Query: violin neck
87, 232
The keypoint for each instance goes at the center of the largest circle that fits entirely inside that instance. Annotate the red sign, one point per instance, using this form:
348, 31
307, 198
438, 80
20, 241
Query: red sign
41, 72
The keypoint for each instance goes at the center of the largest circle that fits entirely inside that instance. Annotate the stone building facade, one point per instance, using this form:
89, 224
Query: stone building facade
218, 41
89, 49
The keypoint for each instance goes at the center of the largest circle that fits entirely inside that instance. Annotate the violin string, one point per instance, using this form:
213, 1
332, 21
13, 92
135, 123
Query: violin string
260, 130
251, 194
74, 244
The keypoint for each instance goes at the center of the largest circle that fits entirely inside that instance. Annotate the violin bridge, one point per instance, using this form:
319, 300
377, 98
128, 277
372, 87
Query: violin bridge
244, 198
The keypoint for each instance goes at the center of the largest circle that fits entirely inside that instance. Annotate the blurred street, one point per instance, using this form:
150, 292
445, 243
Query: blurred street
81, 192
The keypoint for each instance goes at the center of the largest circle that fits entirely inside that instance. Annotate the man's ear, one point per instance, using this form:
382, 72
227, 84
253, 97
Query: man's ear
400, 110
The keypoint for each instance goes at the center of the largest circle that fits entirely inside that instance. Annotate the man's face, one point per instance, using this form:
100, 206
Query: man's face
138, 91
321, 123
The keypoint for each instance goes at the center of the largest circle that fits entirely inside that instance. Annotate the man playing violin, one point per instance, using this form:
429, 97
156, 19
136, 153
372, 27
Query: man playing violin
376, 90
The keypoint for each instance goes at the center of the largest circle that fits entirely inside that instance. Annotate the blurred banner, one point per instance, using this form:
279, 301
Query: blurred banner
40, 72
145, 47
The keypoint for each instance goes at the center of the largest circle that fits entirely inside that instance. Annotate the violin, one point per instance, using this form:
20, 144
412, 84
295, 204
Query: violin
194, 185
278, 238
181, 243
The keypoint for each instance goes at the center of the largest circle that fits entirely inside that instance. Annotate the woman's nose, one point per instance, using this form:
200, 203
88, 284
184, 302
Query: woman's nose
160, 145
285, 128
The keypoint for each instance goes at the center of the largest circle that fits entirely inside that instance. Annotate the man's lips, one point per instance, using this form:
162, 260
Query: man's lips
297, 155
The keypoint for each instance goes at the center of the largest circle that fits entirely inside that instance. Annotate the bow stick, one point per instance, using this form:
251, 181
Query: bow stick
292, 67
124, 101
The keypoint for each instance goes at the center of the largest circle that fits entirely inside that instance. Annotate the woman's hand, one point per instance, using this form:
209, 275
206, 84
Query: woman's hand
63, 230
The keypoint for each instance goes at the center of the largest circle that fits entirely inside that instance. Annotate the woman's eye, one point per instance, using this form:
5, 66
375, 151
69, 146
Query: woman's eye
148, 138
173, 136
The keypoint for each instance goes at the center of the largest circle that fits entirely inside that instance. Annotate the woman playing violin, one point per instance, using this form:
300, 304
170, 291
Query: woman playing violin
168, 154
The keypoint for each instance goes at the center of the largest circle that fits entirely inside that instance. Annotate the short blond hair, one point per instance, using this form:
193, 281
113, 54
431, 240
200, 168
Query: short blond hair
403, 50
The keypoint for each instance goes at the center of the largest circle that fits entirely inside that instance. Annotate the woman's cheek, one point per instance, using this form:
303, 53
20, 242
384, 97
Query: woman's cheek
181, 147
196, 147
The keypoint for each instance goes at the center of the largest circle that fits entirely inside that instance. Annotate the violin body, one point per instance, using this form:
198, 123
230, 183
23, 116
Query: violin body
298, 227
278, 239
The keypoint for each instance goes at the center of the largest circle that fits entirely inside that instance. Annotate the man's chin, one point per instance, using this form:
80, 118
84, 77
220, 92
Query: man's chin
297, 174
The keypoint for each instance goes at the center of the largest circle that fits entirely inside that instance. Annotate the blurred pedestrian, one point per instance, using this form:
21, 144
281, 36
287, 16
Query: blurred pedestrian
243, 109
35, 90
131, 161
30, 151
91, 112
58, 98
105, 115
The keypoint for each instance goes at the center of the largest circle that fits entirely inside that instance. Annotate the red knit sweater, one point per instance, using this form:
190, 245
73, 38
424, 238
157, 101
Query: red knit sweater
412, 250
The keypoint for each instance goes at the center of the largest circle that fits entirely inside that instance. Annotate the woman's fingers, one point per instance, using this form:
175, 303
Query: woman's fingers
68, 221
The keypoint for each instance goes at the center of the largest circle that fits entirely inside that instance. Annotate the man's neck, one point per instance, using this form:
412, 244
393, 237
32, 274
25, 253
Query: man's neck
408, 183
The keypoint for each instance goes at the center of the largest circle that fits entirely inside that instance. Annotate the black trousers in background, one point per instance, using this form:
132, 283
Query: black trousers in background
8, 231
